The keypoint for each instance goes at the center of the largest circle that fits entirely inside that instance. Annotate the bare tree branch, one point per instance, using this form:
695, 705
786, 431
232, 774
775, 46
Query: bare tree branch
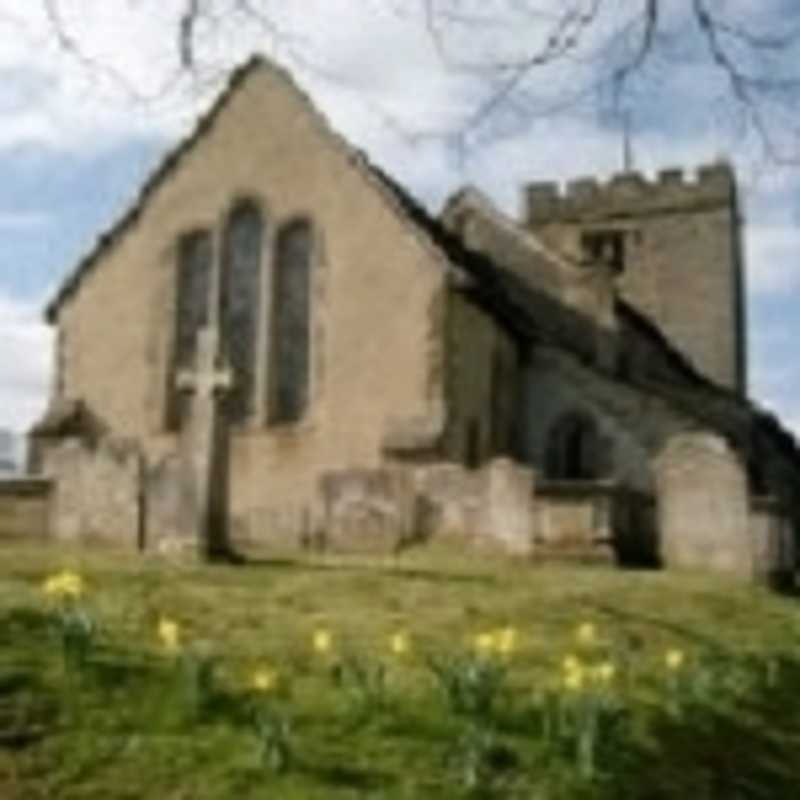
624, 63
186, 31
621, 48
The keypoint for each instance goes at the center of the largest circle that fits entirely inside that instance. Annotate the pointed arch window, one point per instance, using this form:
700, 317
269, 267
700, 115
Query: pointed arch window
192, 292
291, 314
240, 291
573, 449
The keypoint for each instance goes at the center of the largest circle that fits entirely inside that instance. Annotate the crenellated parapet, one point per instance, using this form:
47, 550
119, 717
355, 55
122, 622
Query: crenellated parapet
628, 194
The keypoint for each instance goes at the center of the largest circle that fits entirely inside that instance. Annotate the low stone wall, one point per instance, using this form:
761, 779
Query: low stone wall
594, 521
574, 519
369, 511
24, 508
386, 509
499, 507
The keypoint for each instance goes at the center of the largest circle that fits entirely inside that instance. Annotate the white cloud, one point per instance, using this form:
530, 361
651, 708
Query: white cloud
25, 347
773, 258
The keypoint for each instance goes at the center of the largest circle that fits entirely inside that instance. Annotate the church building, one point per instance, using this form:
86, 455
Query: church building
278, 349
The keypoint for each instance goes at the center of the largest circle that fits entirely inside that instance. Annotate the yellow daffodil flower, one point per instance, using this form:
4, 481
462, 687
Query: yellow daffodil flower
484, 643
64, 585
605, 672
169, 632
674, 659
574, 679
505, 640
571, 664
586, 633
399, 644
322, 641
264, 679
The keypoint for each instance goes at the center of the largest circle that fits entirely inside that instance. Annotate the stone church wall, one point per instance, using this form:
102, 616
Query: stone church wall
482, 381
630, 425
377, 304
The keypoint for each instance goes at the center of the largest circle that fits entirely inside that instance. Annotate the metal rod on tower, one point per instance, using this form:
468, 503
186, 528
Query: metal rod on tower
627, 145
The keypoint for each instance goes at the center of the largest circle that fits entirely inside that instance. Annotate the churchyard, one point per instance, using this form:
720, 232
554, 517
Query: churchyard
420, 676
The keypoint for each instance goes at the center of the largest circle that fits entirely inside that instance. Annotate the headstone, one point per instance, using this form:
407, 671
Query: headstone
204, 445
508, 506
703, 506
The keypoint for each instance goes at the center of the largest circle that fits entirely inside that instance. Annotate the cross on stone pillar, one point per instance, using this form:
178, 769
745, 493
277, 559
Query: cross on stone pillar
205, 444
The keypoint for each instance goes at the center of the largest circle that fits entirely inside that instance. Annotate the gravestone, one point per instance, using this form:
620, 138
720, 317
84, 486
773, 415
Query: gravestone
703, 506
204, 446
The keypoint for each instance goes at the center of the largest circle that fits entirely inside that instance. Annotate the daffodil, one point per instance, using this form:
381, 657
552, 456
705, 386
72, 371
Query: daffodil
484, 643
505, 640
574, 680
586, 633
571, 664
264, 679
674, 659
65, 585
605, 672
169, 632
322, 641
399, 643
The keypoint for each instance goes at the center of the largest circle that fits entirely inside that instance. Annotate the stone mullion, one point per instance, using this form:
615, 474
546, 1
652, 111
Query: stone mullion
215, 283
264, 359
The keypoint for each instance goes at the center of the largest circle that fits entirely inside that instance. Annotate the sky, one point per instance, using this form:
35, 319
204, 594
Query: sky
80, 130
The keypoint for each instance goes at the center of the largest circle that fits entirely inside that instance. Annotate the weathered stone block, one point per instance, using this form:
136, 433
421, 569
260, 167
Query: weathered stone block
575, 519
168, 509
369, 510
97, 490
24, 508
508, 506
704, 506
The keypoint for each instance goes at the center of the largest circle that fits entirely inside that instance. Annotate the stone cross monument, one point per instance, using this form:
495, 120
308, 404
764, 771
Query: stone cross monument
205, 445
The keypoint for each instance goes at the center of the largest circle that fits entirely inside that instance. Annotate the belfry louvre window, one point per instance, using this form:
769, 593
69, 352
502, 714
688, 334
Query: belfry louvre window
193, 284
240, 293
291, 313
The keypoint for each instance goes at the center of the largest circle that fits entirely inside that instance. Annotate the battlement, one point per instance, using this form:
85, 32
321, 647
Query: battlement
629, 194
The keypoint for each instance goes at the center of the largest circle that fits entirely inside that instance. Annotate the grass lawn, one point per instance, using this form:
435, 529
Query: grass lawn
134, 720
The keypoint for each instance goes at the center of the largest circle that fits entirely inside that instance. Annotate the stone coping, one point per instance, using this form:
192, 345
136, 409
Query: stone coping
584, 488
576, 487
25, 485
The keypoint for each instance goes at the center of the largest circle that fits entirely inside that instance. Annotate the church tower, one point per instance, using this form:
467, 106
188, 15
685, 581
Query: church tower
675, 247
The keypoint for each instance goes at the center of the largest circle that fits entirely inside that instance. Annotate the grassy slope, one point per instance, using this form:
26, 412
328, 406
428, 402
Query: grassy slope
124, 732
